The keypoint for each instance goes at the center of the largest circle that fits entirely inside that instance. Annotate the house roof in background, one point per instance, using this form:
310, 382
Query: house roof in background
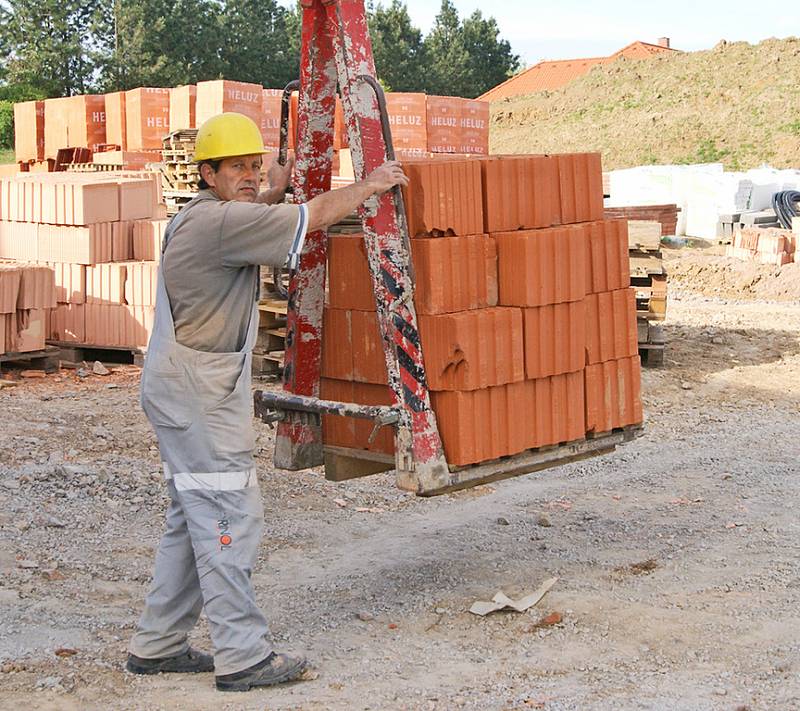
550, 75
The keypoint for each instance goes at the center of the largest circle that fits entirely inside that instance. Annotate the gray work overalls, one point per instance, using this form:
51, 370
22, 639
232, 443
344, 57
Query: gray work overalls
199, 404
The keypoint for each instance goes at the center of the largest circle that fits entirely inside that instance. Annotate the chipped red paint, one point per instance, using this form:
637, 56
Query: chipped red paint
341, 49
299, 445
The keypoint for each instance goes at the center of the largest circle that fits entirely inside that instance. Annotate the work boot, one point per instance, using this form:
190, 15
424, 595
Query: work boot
275, 669
189, 662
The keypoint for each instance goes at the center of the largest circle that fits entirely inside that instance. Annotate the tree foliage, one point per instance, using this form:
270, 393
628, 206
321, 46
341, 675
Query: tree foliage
397, 47
63, 47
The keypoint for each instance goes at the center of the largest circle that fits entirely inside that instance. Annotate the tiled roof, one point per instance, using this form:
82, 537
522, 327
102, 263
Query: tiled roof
550, 75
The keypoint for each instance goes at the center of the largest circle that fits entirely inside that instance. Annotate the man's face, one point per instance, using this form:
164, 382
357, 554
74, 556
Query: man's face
237, 178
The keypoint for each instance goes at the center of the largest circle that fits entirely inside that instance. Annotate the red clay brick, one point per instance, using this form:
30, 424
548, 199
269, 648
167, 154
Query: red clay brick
541, 267
74, 245
219, 95
349, 278
454, 273
337, 431
26, 331
347, 431
369, 361
555, 339
373, 394
141, 281
607, 264
29, 131
479, 425
66, 322
270, 123
105, 283
611, 331
147, 238
121, 241
472, 349
19, 241
337, 345
10, 278
613, 394
520, 192
70, 281
443, 197
37, 288
352, 346
580, 177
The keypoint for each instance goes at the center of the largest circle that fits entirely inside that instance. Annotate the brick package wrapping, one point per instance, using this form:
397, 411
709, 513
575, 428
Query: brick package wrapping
116, 126
408, 118
29, 131
221, 95
183, 107
270, 122
444, 124
87, 121
146, 118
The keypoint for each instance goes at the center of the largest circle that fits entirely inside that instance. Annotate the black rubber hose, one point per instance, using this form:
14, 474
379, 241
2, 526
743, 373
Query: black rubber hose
785, 205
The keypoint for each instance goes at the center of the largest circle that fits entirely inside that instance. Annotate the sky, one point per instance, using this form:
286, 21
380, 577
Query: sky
568, 28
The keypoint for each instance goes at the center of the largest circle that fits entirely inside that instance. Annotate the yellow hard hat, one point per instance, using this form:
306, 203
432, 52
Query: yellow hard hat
227, 135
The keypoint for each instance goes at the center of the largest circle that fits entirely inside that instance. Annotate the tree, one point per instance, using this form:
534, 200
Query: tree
256, 44
447, 71
47, 44
158, 43
397, 47
490, 58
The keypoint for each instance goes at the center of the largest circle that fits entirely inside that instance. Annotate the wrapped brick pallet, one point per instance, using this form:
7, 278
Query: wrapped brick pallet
526, 316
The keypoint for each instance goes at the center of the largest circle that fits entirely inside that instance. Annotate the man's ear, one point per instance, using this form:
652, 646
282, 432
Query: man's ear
208, 173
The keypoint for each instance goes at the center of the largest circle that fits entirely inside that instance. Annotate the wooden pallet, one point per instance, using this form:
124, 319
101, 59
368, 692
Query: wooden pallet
46, 359
268, 365
342, 463
176, 199
95, 167
73, 354
651, 342
270, 344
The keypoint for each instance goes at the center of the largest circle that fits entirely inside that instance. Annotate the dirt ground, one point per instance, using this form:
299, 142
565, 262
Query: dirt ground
678, 556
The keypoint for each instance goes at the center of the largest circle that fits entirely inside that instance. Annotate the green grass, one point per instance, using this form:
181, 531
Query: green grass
6, 155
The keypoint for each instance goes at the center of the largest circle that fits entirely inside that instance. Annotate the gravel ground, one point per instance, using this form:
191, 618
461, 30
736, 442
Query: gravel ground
677, 556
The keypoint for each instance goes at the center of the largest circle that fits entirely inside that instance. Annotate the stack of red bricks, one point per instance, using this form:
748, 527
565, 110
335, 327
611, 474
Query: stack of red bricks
525, 311
99, 236
27, 293
770, 245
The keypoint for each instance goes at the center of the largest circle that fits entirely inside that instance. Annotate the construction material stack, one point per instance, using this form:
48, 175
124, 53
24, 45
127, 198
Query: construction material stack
770, 245
179, 175
649, 282
526, 316
27, 296
100, 236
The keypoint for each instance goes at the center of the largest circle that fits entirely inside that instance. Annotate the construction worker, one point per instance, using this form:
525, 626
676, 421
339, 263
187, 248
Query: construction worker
195, 390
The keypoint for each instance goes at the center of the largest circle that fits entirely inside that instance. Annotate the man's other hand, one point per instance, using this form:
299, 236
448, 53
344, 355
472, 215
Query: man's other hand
279, 176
